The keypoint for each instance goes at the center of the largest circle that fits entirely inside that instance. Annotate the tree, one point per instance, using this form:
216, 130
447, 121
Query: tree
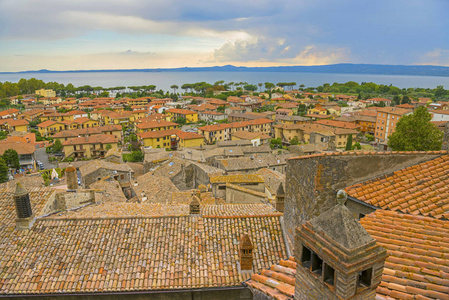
174, 87
180, 121
3, 171
11, 158
406, 100
349, 143
415, 132
294, 140
57, 147
221, 109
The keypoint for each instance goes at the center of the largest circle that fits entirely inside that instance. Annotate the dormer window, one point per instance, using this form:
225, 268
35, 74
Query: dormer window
364, 278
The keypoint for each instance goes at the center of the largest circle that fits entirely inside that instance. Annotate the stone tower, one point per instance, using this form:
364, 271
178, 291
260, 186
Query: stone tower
25, 217
194, 206
246, 253
280, 197
337, 258
72, 179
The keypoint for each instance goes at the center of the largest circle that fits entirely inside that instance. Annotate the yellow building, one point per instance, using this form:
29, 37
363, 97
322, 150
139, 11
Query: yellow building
155, 125
94, 146
45, 93
137, 114
86, 123
223, 132
14, 125
65, 135
163, 139
51, 100
317, 111
189, 115
50, 127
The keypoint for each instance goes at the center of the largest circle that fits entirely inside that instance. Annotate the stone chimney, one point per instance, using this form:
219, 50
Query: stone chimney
25, 217
195, 206
337, 258
71, 178
280, 196
246, 253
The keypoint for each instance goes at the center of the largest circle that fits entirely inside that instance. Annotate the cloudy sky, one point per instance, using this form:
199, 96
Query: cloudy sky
119, 34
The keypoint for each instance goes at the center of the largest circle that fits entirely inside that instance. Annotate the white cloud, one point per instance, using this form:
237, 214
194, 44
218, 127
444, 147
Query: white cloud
436, 57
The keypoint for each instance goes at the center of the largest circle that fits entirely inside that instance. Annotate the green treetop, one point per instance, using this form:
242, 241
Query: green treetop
415, 132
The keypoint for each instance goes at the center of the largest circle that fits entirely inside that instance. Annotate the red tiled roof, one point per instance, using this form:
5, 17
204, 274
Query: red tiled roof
394, 110
259, 121
156, 124
340, 124
13, 123
419, 189
418, 263
93, 139
181, 111
48, 123
179, 133
278, 282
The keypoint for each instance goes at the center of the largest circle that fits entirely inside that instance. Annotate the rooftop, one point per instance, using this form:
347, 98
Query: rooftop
418, 248
419, 189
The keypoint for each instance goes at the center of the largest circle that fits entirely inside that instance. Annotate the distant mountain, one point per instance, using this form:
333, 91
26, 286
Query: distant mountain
337, 68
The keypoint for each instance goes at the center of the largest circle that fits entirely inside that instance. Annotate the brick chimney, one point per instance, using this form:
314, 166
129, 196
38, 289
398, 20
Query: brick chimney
25, 217
246, 253
337, 258
195, 209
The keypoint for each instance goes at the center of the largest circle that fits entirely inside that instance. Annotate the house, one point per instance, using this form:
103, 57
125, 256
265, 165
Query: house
212, 116
15, 125
99, 169
25, 150
93, 146
293, 120
256, 138
86, 123
250, 181
9, 113
115, 130
222, 132
189, 115
159, 124
45, 93
440, 115
170, 139
49, 127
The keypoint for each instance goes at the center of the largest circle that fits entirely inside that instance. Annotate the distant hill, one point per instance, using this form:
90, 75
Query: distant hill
336, 68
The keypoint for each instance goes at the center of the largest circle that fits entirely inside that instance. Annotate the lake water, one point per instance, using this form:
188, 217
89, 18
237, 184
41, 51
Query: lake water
163, 80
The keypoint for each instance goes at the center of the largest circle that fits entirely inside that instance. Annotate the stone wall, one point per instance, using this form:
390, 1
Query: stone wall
239, 195
190, 178
102, 173
313, 180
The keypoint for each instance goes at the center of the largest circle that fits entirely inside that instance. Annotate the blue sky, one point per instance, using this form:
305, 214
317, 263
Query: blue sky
114, 34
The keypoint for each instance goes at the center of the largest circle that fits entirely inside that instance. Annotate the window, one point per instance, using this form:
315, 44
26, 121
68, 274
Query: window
317, 264
222, 187
364, 278
158, 139
329, 275
122, 176
306, 257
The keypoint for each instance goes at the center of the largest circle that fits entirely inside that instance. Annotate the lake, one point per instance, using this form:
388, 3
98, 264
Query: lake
163, 80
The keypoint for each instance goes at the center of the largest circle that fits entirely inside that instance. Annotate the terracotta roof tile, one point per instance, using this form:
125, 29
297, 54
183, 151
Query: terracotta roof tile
277, 282
421, 188
418, 248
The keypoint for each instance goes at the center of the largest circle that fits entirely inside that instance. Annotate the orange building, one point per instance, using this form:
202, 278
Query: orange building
386, 120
